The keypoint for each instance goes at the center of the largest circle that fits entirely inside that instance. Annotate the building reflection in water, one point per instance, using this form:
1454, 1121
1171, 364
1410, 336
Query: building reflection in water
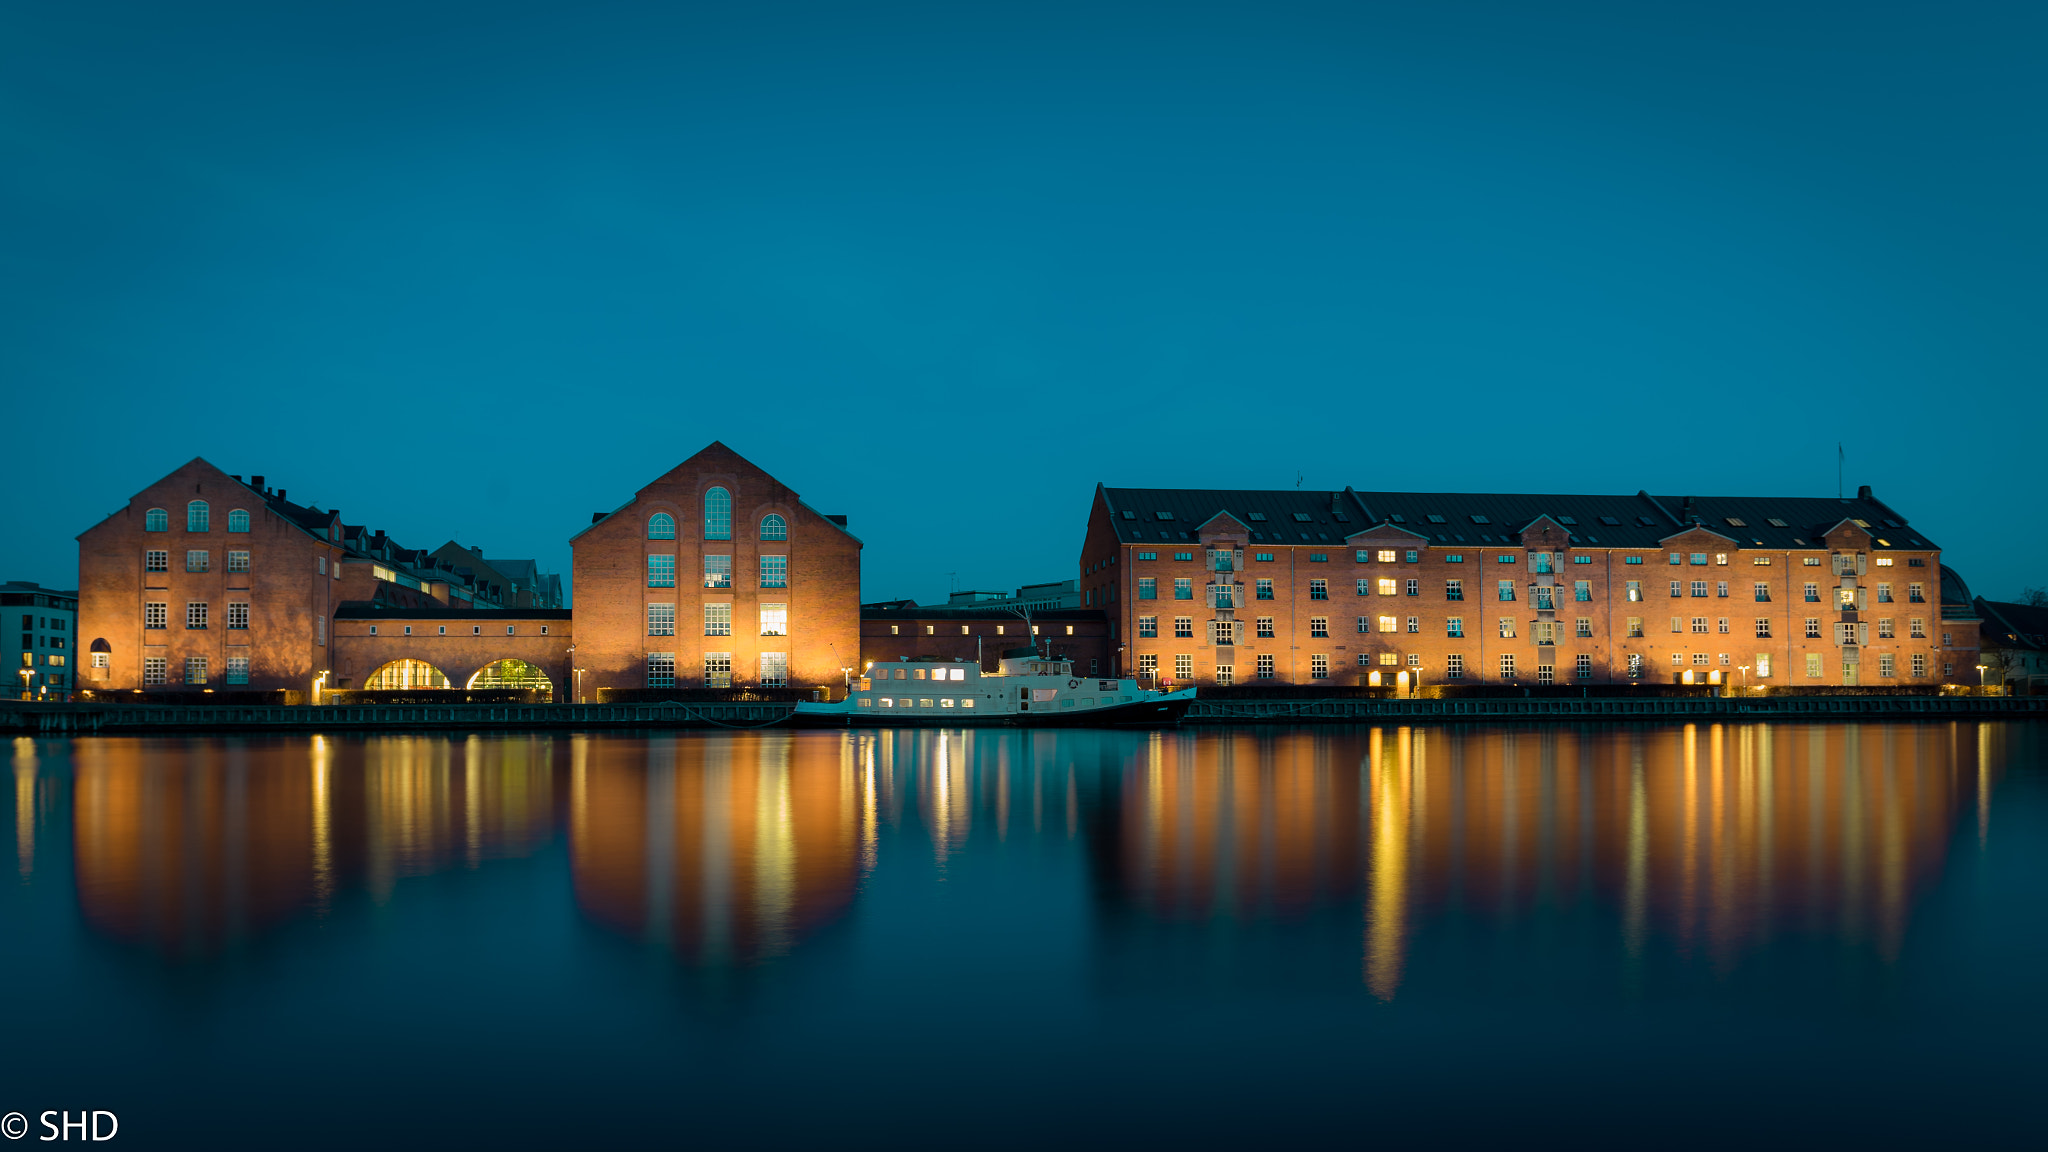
1714, 839
189, 846
723, 849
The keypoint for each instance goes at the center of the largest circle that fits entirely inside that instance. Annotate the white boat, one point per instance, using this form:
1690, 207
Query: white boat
1029, 690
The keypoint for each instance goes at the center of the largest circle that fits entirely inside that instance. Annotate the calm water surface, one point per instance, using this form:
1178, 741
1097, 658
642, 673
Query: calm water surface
1771, 934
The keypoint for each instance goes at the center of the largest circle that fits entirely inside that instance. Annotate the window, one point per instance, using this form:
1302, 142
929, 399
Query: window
1183, 588
1916, 593
1319, 589
661, 619
1365, 623
661, 571
1265, 668
1546, 632
1583, 669
1635, 665
153, 667
1545, 673
1699, 625
320, 630
238, 616
195, 516
1507, 666
1763, 627
718, 619
1507, 627
156, 561
195, 669
195, 614
1184, 557
1388, 587
1223, 632
1886, 662
1582, 591
1678, 589
1763, 664
1319, 667
718, 669
1919, 664
196, 560
1763, 592
1263, 557
717, 571
1454, 667
1148, 588
156, 520
661, 669
1635, 627
1184, 627
1539, 598
1148, 664
1585, 626
1539, 561
1226, 674
1263, 589
1148, 626
238, 521
1630, 559
774, 571
718, 526
1810, 561
661, 526
1385, 555
1884, 629
239, 561
1813, 593
320, 565
1364, 586
1948, 639
1183, 665
1917, 629
773, 527
1265, 627
1721, 589
1507, 590
1454, 626
1319, 626
1414, 587
1319, 557
1454, 589
1454, 557
1813, 664
1635, 591
1700, 558
102, 659
238, 666
1813, 627
775, 670
1884, 593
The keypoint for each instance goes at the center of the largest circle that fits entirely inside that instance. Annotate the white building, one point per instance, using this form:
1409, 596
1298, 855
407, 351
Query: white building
47, 648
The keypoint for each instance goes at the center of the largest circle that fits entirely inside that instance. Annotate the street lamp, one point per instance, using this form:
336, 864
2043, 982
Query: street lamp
1980, 678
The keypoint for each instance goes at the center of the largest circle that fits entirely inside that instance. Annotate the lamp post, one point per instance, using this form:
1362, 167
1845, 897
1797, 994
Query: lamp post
1980, 678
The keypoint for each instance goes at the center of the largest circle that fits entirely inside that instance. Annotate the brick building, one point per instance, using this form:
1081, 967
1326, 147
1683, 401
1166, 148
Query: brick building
1353, 587
715, 575
969, 632
204, 582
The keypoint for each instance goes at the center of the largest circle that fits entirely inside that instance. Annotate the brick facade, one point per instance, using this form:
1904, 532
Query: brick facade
615, 600
1319, 590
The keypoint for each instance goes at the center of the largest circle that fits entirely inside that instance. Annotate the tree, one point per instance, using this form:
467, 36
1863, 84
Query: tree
2034, 597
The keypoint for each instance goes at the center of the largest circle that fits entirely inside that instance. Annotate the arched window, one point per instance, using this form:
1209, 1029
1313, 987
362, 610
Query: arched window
195, 516
661, 526
718, 514
238, 520
774, 527
156, 520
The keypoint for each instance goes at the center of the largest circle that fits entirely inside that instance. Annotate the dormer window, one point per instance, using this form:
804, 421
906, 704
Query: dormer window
196, 515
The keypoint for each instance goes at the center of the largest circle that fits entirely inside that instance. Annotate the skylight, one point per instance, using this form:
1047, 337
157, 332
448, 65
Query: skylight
1736, 522
1303, 518
1130, 515
1478, 519
1568, 520
1435, 519
1398, 518
1860, 523
1609, 520
1341, 518
1646, 522
1777, 523
1258, 517
1893, 524
1164, 515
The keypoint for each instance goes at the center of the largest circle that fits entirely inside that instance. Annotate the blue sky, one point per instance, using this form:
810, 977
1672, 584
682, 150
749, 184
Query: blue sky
478, 270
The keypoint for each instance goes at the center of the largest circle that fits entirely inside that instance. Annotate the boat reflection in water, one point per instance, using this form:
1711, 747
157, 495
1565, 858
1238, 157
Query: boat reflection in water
1707, 840
187, 847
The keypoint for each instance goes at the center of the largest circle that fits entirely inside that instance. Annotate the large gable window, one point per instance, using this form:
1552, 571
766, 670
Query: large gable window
196, 516
238, 520
156, 520
718, 514
661, 526
774, 527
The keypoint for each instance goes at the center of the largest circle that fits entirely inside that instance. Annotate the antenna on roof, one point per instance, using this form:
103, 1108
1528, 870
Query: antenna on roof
1297, 479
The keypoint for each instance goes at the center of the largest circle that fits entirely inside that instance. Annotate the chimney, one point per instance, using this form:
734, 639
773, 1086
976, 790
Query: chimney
280, 494
1863, 491
256, 481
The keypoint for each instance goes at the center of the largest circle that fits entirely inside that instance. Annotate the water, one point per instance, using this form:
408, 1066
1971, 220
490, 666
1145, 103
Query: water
1700, 934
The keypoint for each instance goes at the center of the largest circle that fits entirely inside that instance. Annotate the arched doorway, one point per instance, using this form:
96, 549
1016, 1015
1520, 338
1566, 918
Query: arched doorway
503, 675
405, 675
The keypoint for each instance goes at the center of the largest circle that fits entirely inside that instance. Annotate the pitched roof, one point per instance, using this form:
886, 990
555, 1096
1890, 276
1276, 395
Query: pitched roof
2009, 625
1299, 517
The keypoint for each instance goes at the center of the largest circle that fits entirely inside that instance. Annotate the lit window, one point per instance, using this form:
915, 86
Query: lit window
196, 516
661, 526
774, 527
775, 669
1390, 624
718, 571
718, 526
1389, 587
238, 521
774, 619
718, 665
195, 669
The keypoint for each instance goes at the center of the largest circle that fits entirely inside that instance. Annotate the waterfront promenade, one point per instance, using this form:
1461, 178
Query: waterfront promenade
29, 718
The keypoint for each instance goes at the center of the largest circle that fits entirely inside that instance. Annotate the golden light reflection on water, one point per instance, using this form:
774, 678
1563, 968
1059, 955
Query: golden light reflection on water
25, 806
1714, 838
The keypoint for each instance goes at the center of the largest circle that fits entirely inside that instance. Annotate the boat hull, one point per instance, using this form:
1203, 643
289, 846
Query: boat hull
1150, 713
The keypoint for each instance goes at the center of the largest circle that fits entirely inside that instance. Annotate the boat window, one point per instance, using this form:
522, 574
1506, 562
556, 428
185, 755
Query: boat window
917, 674
1088, 702
1067, 703
924, 703
886, 702
957, 674
866, 703
946, 702
899, 673
968, 703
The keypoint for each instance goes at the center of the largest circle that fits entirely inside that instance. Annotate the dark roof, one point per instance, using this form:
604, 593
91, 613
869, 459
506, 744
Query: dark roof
2012, 625
1303, 518
981, 612
366, 610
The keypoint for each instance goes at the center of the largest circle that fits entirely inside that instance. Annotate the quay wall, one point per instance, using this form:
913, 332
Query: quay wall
24, 718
